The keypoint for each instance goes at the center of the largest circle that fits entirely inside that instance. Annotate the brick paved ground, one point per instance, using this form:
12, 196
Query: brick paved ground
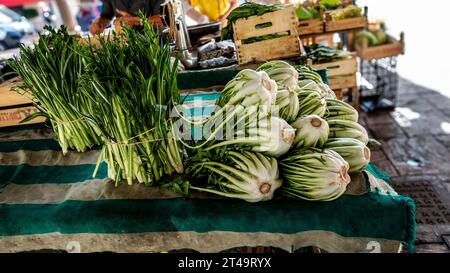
415, 152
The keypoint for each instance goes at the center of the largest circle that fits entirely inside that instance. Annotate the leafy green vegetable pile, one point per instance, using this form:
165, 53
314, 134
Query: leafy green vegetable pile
276, 127
323, 54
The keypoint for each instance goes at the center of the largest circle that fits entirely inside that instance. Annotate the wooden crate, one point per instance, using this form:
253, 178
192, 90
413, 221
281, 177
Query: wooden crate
346, 24
276, 22
340, 67
345, 86
350, 24
278, 48
13, 116
394, 47
10, 98
341, 82
308, 27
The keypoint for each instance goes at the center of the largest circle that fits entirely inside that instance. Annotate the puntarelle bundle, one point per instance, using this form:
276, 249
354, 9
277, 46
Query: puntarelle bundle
278, 128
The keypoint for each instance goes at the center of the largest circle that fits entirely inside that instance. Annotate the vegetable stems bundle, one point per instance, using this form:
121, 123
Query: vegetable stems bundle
134, 85
51, 74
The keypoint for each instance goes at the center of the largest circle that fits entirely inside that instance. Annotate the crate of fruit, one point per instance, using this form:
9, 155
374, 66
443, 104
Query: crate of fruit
266, 37
349, 18
310, 19
377, 44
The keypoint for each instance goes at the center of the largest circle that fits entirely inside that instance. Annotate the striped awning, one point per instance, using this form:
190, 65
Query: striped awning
16, 3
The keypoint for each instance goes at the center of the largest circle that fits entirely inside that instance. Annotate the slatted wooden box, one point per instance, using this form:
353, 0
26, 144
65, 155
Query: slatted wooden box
350, 24
14, 107
276, 22
393, 47
307, 27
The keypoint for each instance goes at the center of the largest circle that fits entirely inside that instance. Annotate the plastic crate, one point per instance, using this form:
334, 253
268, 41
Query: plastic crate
378, 84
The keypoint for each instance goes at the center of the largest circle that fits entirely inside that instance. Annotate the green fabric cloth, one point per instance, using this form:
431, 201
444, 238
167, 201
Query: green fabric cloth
372, 215
216, 77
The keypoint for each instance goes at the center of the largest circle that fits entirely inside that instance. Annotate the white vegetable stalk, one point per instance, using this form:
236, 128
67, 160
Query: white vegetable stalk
312, 131
269, 135
311, 103
337, 109
252, 177
326, 91
288, 105
308, 84
248, 88
322, 88
353, 151
314, 175
347, 129
284, 74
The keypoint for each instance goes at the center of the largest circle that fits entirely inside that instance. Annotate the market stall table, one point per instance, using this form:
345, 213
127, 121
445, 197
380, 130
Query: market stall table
50, 201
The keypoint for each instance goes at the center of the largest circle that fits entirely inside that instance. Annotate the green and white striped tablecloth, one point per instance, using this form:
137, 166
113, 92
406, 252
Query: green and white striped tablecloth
51, 201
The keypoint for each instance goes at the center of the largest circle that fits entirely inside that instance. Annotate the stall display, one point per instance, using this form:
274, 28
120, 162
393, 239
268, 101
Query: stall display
104, 218
127, 135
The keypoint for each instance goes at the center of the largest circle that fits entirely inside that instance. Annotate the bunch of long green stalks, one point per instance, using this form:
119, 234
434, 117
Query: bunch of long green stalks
51, 73
133, 84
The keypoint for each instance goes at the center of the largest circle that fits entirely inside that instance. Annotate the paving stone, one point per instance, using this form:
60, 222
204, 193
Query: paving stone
431, 233
417, 155
378, 118
386, 166
445, 111
417, 103
386, 131
377, 155
444, 140
432, 248
438, 100
416, 123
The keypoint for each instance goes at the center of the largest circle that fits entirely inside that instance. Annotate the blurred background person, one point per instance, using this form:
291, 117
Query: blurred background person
86, 15
127, 9
215, 10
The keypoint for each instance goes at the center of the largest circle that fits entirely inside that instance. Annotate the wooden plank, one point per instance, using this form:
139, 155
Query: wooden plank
281, 21
277, 48
392, 48
339, 68
13, 116
341, 82
11, 98
346, 24
352, 95
306, 27
339, 94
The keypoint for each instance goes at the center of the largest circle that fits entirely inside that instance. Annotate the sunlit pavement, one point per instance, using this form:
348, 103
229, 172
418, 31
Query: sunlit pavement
427, 59
415, 137
415, 153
